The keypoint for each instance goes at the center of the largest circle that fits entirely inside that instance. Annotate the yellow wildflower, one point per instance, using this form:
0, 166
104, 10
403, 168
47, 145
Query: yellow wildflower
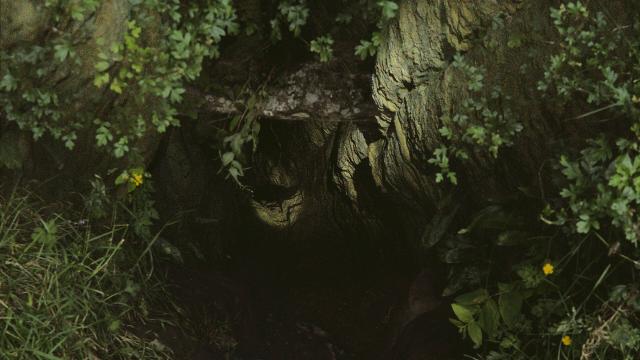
566, 340
547, 269
137, 179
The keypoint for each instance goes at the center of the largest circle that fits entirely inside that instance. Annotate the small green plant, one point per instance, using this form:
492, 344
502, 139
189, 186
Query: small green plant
388, 10
322, 47
368, 48
295, 15
484, 124
243, 133
138, 203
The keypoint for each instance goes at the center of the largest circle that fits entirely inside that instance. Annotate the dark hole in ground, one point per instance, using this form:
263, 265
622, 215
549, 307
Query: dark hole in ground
328, 287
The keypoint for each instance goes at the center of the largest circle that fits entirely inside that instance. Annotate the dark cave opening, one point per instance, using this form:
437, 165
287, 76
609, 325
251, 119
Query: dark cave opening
329, 286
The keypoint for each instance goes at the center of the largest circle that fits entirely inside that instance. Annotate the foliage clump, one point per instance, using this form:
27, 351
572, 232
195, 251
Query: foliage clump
484, 123
139, 79
295, 14
599, 64
572, 292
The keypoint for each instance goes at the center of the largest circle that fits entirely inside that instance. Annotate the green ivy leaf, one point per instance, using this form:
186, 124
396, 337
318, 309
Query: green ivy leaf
473, 298
475, 333
103, 135
322, 47
227, 158
102, 66
61, 52
123, 178
365, 49
463, 313
8, 83
101, 79
510, 304
489, 317
389, 9
116, 86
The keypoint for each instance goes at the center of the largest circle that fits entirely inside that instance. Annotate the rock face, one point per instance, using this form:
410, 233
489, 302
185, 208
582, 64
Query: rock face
414, 87
354, 145
380, 167
376, 163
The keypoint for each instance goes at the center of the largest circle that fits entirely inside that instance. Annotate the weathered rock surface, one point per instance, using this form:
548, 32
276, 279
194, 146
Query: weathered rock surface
376, 150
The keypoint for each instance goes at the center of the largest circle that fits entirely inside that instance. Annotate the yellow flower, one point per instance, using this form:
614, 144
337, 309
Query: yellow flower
136, 179
566, 340
547, 269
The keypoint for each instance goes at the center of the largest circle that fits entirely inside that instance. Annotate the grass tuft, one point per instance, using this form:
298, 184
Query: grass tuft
67, 292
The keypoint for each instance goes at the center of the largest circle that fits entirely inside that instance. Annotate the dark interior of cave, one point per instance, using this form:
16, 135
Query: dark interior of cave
330, 286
